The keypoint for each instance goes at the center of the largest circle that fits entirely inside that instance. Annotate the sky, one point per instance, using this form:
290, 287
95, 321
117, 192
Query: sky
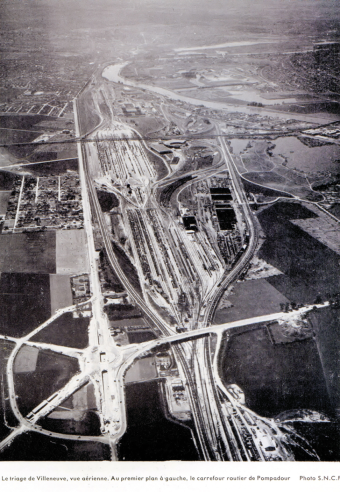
86, 25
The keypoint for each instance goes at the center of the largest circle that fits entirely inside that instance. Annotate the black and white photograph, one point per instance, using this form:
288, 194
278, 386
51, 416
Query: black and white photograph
170, 233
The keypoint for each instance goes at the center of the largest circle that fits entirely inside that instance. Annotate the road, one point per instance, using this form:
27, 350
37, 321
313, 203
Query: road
222, 429
155, 319
208, 412
280, 317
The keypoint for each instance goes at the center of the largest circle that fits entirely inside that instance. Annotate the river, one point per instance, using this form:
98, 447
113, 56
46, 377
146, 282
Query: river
112, 73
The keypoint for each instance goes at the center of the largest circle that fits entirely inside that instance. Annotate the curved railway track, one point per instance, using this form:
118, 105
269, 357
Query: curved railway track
159, 323
208, 433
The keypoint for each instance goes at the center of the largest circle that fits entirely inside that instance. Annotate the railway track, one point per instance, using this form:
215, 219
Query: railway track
232, 276
200, 424
237, 450
209, 440
197, 412
253, 237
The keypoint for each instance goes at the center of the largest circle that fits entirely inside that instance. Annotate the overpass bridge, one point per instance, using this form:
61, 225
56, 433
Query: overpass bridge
282, 317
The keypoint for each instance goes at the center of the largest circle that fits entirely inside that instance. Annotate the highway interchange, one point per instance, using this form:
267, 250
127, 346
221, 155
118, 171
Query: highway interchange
224, 428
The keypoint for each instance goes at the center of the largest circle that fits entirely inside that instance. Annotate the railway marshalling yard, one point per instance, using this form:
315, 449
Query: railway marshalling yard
188, 234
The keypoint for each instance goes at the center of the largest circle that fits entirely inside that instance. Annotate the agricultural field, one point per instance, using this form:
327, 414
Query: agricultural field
148, 429
9, 136
142, 370
24, 302
309, 267
28, 138
325, 324
6, 158
76, 415
33, 446
61, 294
26, 360
51, 168
52, 372
69, 244
4, 199
249, 298
89, 425
275, 378
66, 330
6, 180
138, 336
21, 122
31, 252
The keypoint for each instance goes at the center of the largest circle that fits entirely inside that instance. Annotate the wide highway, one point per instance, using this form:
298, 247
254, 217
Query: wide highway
207, 411
155, 319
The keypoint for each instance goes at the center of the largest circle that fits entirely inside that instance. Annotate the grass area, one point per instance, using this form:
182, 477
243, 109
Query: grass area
324, 437
145, 124
122, 311
107, 200
309, 267
8, 136
52, 372
21, 121
26, 359
141, 370
335, 210
326, 325
167, 192
251, 298
127, 322
269, 178
261, 190
110, 281
32, 446
61, 294
311, 159
187, 198
88, 117
52, 168
264, 168
4, 197
275, 378
89, 425
141, 336
33, 252
71, 252
163, 312
127, 266
6, 417
24, 302
157, 163
6, 180
257, 162
66, 331
150, 436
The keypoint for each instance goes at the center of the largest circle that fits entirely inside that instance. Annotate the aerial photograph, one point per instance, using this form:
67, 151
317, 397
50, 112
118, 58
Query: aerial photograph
170, 230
